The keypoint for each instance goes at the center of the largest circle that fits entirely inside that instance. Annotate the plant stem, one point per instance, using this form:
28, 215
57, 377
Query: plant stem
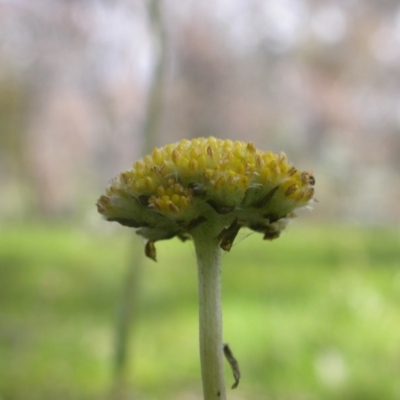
127, 315
208, 255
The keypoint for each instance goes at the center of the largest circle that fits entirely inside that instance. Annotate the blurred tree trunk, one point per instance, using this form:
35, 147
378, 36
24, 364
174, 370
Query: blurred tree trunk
14, 167
128, 315
155, 99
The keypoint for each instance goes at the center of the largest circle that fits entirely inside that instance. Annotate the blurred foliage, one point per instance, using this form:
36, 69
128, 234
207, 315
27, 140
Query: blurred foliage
313, 315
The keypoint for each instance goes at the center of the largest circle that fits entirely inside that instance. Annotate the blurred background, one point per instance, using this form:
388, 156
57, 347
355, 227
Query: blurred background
88, 86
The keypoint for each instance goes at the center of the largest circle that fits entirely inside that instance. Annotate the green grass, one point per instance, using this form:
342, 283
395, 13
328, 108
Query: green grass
313, 315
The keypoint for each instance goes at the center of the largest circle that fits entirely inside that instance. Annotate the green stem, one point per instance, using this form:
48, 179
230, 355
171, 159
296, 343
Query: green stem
208, 255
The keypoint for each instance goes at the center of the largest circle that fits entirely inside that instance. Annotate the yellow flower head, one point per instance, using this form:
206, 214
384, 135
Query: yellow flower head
228, 184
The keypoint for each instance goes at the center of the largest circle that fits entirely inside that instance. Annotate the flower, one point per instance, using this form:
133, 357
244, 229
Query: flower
229, 184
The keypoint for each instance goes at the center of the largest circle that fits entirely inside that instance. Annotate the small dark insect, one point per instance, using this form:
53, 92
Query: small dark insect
234, 365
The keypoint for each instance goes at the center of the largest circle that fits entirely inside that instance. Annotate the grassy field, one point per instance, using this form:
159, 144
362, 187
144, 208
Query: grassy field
313, 315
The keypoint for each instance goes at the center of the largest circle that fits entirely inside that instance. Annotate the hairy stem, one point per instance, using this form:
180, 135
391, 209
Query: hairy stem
208, 255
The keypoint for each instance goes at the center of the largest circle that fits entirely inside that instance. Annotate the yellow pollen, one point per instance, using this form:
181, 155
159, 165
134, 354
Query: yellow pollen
291, 189
201, 162
156, 202
292, 171
160, 191
173, 207
175, 156
125, 178
193, 165
240, 168
170, 182
184, 201
208, 173
250, 147
175, 198
243, 181
157, 156
149, 184
138, 166
310, 193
